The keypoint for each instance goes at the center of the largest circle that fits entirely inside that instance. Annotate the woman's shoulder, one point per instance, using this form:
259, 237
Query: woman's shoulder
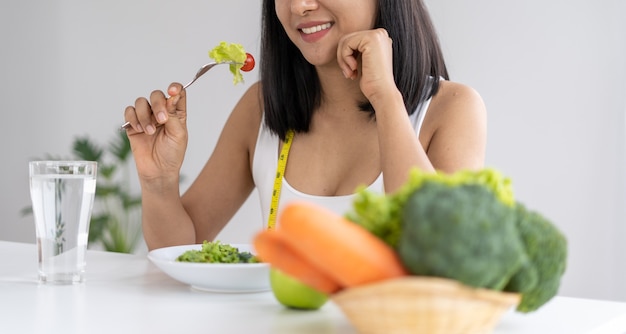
456, 101
453, 93
455, 127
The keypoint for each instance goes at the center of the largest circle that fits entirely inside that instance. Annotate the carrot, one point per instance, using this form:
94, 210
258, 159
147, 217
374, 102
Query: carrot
272, 248
343, 250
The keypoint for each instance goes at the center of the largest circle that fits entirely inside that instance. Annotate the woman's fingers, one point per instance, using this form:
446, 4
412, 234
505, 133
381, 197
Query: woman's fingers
177, 103
348, 61
145, 121
159, 104
368, 56
370, 46
146, 115
130, 116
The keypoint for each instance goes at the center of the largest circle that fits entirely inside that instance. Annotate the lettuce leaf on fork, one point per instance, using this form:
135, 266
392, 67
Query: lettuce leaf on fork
226, 52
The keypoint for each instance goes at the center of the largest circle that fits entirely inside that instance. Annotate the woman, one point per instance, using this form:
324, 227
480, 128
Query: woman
361, 83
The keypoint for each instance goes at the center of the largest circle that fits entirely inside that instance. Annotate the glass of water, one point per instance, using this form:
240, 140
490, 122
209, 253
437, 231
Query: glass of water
62, 195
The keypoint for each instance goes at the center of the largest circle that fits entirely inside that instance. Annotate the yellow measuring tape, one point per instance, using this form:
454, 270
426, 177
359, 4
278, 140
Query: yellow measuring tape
278, 179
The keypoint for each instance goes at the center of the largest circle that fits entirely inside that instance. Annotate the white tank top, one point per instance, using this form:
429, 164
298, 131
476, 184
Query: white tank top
266, 161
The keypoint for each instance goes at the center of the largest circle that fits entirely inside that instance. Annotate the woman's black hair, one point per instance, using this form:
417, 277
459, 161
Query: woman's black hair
290, 85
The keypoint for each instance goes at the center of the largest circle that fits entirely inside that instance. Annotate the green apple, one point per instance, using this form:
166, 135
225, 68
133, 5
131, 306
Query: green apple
295, 294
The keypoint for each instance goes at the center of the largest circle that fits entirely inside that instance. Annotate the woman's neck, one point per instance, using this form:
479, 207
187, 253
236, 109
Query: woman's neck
337, 90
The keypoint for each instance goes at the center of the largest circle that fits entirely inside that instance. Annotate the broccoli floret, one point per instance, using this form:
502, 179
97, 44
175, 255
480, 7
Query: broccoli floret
524, 280
546, 247
381, 214
462, 232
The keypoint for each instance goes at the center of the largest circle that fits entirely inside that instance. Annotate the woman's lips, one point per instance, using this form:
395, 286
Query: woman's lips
313, 33
316, 28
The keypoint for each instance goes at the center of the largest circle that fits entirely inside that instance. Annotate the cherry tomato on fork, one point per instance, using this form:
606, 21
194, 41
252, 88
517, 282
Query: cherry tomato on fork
248, 64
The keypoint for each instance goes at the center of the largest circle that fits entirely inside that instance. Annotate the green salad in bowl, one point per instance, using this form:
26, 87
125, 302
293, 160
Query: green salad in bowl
217, 252
214, 267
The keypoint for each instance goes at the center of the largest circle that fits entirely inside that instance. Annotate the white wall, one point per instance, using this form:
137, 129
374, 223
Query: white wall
552, 74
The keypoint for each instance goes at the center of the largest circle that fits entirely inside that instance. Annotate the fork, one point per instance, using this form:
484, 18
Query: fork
205, 68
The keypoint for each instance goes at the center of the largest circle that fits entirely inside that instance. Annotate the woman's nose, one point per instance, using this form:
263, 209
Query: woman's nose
302, 7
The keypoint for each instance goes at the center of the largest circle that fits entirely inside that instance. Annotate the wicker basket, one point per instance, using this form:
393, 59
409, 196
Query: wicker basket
426, 305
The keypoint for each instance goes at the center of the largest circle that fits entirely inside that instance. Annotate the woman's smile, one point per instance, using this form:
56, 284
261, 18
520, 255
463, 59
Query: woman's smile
316, 28
313, 32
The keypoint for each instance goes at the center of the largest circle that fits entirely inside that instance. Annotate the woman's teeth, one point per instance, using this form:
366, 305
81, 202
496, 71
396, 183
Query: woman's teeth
315, 29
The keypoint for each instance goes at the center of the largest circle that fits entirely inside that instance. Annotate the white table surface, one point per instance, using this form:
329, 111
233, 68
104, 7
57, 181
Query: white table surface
127, 294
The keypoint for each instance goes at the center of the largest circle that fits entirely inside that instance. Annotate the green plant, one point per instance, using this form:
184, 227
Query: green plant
116, 219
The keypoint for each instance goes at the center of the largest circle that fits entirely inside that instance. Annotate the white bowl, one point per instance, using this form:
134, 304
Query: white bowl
213, 277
